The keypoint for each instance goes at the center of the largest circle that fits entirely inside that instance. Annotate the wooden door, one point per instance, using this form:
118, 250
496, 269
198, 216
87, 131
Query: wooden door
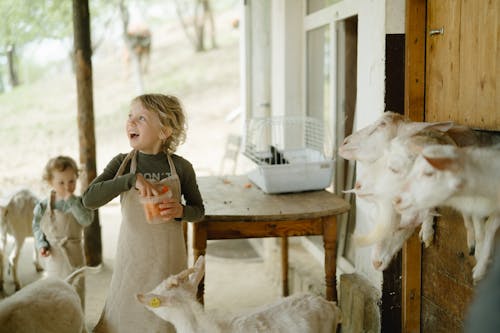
463, 62
462, 83
453, 75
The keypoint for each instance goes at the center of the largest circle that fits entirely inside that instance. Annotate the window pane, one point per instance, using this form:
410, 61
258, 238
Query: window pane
315, 5
318, 86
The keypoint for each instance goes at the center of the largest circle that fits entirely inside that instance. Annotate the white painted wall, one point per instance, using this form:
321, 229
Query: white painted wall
286, 60
375, 19
258, 33
395, 16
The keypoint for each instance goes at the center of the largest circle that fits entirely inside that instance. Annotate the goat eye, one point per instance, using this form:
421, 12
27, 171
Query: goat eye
428, 173
383, 124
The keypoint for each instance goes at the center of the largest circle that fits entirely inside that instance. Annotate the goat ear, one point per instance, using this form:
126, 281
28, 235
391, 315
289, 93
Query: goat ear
152, 300
393, 117
412, 128
441, 163
199, 271
443, 126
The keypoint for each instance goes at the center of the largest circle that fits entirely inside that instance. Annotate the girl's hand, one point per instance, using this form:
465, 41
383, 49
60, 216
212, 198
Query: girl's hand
145, 188
44, 252
170, 209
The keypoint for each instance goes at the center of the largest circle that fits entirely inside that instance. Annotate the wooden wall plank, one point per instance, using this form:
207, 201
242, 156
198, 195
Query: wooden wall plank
415, 59
462, 74
454, 87
437, 320
479, 39
447, 288
443, 61
414, 104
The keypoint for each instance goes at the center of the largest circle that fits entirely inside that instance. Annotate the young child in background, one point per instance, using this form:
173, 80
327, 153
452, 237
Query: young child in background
58, 222
147, 252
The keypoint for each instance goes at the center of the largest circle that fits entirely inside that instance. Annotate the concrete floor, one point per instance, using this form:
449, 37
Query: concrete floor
232, 284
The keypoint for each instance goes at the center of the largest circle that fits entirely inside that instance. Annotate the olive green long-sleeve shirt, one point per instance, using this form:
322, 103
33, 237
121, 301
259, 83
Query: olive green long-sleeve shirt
153, 167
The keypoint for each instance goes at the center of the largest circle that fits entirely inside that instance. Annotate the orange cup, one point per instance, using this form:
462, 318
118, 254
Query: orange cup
152, 205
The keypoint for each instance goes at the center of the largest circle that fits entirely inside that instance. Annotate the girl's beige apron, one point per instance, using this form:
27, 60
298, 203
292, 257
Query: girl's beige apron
64, 235
146, 255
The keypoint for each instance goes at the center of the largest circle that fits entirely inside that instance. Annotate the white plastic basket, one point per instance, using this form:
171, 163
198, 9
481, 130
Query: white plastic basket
291, 154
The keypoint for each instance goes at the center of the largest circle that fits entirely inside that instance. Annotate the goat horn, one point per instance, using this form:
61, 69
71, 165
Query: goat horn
185, 274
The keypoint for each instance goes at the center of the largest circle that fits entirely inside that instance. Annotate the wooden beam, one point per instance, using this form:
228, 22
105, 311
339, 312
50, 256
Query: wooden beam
86, 136
415, 59
414, 110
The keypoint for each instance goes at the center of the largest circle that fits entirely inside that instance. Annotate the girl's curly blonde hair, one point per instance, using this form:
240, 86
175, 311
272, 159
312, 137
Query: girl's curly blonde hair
59, 163
171, 114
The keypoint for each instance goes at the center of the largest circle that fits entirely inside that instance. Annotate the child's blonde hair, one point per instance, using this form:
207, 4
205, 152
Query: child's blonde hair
169, 110
59, 163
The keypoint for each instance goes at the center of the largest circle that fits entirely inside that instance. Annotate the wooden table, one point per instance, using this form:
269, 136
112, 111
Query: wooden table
235, 208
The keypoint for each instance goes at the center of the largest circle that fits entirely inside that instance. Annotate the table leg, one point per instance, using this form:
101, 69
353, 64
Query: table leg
284, 266
330, 244
199, 249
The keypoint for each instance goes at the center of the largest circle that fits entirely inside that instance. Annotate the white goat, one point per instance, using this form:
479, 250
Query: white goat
48, 305
16, 216
369, 146
463, 178
389, 236
174, 300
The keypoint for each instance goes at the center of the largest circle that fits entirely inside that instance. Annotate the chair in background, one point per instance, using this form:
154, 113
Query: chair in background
230, 159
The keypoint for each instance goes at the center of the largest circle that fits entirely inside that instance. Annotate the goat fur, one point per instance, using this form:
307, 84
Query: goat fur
465, 179
16, 216
174, 300
48, 305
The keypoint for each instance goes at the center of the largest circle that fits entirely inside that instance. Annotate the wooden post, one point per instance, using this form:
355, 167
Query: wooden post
86, 136
414, 110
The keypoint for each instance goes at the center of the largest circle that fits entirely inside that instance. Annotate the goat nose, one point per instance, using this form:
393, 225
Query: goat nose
357, 185
397, 200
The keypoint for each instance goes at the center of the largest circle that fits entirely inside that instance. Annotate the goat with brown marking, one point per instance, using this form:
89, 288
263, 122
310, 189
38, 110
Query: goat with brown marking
369, 146
465, 179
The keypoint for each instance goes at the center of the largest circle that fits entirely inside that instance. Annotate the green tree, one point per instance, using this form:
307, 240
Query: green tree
27, 21
203, 19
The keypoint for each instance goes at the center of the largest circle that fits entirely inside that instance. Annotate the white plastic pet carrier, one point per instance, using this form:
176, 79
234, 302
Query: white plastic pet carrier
291, 154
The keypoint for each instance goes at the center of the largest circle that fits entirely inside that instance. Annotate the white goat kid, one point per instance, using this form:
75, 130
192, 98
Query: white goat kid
174, 300
48, 305
16, 216
394, 229
370, 146
465, 179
